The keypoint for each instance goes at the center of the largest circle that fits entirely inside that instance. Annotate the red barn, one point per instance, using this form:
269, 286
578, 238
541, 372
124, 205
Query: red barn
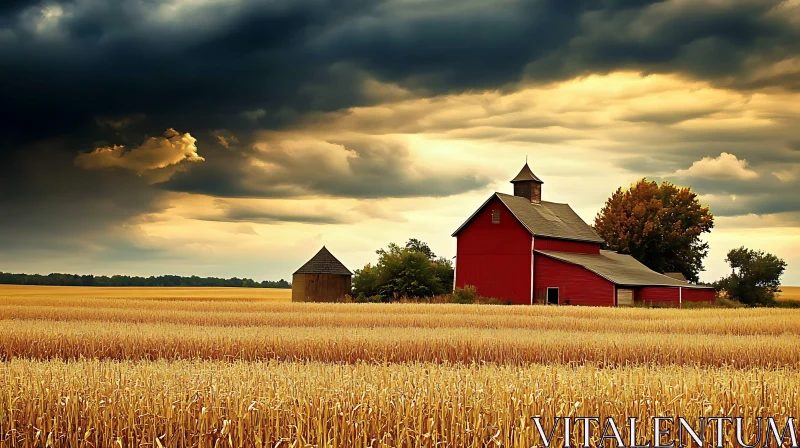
525, 250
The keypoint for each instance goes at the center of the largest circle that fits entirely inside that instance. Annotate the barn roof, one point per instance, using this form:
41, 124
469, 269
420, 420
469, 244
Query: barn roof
526, 174
547, 219
676, 275
324, 263
618, 268
550, 219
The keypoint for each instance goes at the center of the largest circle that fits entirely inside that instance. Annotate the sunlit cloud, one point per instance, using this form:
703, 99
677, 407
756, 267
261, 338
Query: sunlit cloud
154, 153
726, 166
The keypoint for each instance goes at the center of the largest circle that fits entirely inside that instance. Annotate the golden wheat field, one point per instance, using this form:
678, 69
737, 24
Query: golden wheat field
107, 367
789, 293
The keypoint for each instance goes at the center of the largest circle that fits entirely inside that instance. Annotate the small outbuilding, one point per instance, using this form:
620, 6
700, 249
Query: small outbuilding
322, 279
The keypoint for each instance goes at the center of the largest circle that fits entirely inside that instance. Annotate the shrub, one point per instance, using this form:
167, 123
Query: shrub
403, 272
755, 279
467, 294
362, 298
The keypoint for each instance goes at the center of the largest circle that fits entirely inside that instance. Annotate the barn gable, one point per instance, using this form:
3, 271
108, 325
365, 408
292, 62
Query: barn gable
494, 254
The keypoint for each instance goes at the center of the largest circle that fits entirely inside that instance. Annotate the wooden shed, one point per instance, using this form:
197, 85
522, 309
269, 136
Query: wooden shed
322, 279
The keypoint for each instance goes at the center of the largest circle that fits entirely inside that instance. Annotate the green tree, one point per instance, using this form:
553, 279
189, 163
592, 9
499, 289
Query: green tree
410, 271
659, 225
420, 246
755, 276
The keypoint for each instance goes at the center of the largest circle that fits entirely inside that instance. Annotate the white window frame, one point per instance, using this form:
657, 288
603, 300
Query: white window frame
497, 211
547, 296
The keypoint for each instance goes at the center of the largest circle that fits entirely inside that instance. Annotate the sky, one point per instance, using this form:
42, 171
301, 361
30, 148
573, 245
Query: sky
235, 138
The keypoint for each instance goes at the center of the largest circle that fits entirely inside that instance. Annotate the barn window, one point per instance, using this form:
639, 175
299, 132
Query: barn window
495, 216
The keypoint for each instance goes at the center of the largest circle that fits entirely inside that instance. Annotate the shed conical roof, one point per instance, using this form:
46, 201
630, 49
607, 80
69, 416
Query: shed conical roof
526, 174
324, 263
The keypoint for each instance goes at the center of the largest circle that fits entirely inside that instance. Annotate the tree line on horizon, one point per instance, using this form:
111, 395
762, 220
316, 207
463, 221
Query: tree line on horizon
58, 279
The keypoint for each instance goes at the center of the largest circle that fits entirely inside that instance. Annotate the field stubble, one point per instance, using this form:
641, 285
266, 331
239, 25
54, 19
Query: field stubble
155, 370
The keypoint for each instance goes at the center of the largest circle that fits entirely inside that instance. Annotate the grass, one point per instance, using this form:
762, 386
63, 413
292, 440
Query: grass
197, 367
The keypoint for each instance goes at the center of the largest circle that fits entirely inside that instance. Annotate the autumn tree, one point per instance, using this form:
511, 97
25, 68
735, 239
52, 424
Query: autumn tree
755, 276
659, 225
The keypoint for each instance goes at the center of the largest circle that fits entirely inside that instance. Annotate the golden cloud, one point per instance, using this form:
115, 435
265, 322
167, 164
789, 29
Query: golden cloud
156, 152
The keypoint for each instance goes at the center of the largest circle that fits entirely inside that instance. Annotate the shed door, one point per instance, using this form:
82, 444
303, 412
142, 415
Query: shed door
552, 296
624, 297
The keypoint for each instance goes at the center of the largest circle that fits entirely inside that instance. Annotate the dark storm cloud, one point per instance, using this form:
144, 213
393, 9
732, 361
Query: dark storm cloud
773, 202
50, 206
84, 68
442, 50
230, 212
666, 117
191, 67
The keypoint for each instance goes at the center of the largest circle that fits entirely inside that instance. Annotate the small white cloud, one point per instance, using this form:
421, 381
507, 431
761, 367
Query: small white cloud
726, 166
156, 152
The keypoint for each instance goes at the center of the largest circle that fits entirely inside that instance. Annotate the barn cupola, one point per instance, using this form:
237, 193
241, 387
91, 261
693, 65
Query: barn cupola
527, 185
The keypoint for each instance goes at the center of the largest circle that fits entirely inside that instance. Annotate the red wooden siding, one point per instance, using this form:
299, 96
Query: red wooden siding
658, 294
699, 295
542, 243
671, 294
576, 284
495, 258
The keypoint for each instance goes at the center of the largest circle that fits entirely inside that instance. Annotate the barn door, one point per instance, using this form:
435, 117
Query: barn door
552, 296
624, 297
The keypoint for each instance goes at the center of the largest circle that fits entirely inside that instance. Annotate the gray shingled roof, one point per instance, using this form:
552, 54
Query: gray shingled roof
550, 219
526, 174
324, 263
675, 275
618, 268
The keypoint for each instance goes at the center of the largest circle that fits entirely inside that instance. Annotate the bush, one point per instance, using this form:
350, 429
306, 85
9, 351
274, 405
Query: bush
467, 294
756, 277
492, 301
403, 272
787, 303
361, 298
